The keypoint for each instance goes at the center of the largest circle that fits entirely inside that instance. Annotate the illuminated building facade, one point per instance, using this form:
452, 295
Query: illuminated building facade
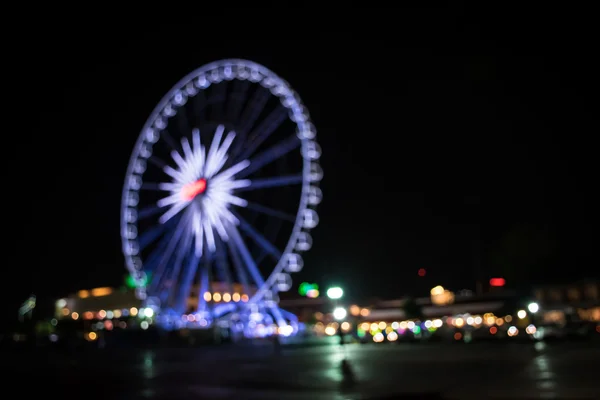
89, 303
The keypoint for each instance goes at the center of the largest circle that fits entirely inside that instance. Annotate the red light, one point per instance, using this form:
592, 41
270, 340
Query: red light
422, 272
191, 190
497, 282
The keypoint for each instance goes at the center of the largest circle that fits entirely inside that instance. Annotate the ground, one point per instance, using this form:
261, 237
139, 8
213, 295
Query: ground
372, 371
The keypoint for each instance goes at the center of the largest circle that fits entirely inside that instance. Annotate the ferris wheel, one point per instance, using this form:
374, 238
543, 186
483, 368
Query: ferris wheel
220, 192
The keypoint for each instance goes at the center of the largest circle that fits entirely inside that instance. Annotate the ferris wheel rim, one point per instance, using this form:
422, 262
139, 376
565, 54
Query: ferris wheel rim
307, 182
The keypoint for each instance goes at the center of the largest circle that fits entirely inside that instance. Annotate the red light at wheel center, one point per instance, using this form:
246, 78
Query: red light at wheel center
191, 190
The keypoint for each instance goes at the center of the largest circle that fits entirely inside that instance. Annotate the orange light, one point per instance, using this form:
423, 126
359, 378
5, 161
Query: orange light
83, 294
101, 291
457, 336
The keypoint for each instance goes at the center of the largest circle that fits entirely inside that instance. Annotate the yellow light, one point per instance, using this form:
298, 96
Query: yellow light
365, 312
75, 316
355, 310
207, 296
436, 291
345, 326
216, 297
226, 297
236, 297
83, 294
133, 311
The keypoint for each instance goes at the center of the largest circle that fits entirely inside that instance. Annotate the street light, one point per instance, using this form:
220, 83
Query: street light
339, 313
335, 293
533, 307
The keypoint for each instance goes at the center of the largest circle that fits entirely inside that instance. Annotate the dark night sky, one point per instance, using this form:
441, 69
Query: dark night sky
449, 138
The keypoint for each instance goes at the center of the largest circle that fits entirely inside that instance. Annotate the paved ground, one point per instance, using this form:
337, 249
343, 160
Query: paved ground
473, 371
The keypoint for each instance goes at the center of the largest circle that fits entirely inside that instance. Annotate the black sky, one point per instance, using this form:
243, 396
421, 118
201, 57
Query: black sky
450, 137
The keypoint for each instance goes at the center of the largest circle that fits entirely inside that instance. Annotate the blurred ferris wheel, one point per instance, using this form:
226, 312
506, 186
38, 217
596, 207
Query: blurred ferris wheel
219, 195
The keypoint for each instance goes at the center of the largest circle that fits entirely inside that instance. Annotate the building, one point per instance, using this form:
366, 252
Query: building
98, 302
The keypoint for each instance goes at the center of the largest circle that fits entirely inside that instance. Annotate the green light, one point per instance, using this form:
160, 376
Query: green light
306, 287
132, 284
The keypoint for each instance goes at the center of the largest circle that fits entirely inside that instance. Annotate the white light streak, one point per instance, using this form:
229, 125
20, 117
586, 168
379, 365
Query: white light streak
210, 214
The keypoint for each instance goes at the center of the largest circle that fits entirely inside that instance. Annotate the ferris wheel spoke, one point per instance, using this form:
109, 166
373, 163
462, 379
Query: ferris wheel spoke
240, 88
187, 149
270, 155
264, 130
214, 148
186, 285
157, 162
253, 109
198, 233
173, 173
204, 285
149, 211
217, 154
169, 251
271, 212
152, 186
239, 268
262, 241
170, 289
154, 257
169, 200
208, 234
199, 105
166, 136
173, 211
218, 98
245, 254
178, 160
181, 251
277, 315
223, 268
263, 183
154, 233
230, 172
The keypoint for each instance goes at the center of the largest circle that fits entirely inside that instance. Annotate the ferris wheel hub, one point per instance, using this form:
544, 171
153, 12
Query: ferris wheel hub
193, 189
